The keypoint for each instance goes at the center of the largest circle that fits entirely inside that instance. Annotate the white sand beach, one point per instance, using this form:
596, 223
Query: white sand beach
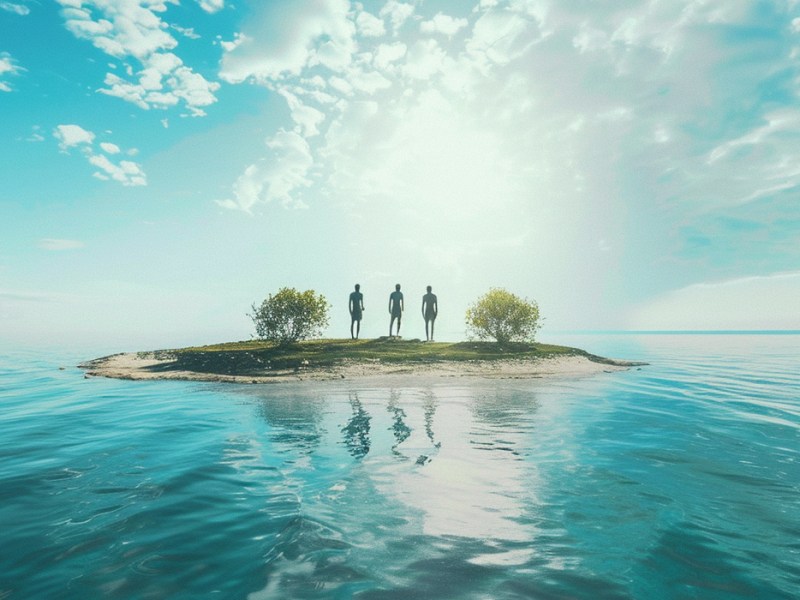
146, 366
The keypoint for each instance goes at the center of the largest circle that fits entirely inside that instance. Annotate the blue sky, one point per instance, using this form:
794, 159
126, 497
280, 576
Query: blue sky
165, 164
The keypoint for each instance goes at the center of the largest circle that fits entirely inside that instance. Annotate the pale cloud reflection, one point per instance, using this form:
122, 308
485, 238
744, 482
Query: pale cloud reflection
469, 481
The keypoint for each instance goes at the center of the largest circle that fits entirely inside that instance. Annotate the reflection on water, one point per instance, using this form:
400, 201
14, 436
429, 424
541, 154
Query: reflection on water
679, 480
399, 428
429, 406
438, 466
356, 432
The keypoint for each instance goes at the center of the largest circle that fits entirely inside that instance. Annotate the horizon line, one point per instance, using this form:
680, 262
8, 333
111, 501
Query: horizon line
680, 331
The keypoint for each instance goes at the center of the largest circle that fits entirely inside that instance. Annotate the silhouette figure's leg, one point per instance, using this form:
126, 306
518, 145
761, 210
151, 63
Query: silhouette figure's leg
399, 319
351, 330
433, 322
358, 328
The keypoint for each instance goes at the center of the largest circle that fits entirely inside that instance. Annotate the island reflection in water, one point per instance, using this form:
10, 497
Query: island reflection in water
381, 469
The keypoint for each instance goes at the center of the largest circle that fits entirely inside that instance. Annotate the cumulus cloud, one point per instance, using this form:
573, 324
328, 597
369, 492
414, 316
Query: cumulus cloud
597, 121
277, 177
287, 38
386, 54
443, 24
134, 30
306, 117
71, 135
397, 13
371, 26
126, 172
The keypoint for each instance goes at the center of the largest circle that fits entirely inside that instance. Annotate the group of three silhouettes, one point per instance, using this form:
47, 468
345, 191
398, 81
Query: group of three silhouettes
430, 308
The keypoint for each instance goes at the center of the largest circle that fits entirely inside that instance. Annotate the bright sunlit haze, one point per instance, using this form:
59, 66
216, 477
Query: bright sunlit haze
167, 164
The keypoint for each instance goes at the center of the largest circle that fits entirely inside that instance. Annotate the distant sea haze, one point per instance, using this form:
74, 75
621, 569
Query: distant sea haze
674, 480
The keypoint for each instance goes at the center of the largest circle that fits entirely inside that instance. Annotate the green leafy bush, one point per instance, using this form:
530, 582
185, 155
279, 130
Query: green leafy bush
501, 315
290, 315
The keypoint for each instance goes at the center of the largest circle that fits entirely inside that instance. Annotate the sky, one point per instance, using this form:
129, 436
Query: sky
165, 164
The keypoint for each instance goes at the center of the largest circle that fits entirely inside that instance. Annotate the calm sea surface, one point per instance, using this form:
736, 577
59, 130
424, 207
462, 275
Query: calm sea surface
678, 480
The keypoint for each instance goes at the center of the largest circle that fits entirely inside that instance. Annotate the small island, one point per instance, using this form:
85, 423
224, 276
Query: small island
259, 361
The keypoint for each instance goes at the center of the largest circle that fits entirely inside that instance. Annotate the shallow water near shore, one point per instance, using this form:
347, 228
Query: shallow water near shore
677, 480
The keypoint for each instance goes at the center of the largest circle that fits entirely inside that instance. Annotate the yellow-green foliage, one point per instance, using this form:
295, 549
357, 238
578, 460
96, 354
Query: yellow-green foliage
502, 316
290, 315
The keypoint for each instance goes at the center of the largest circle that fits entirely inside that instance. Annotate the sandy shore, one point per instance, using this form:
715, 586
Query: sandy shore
146, 366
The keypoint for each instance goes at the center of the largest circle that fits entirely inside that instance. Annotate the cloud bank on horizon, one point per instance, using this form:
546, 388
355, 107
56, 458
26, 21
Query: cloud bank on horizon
628, 165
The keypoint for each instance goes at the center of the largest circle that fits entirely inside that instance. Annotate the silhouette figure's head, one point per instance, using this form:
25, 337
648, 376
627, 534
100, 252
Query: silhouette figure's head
429, 288
397, 287
358, 287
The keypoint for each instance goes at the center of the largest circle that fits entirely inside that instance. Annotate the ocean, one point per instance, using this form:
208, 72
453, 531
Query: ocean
680, 479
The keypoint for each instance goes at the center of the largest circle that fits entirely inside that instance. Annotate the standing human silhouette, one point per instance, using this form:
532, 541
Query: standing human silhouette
356, 306
430, 308
396, 308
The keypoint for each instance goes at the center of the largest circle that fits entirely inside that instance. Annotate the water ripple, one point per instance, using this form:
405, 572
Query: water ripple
681, 479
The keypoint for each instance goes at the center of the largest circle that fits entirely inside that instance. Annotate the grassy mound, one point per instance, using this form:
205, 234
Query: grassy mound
257, 357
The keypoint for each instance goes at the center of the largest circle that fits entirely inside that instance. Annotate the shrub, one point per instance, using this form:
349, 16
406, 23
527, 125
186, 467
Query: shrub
501, 315
289, 316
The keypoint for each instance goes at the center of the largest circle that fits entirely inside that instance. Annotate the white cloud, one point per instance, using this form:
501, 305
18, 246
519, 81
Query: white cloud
306, 117
187, 32
36, 135
444, 24
133, 29
109, 148
369, 25
72, 135
211, 6
13, 7
8, 66
785, 121
163, 83
425, 58
60, 244
368, 82
502, 35
761, 302
278, 178
534, 117
238, 39
126, 172
386, 54
122, 29
397, 12
286, 38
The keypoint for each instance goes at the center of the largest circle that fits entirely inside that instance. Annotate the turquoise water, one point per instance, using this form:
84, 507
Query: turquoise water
678, 480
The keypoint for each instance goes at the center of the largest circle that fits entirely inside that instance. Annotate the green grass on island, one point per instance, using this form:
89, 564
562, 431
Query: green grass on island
257, 357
